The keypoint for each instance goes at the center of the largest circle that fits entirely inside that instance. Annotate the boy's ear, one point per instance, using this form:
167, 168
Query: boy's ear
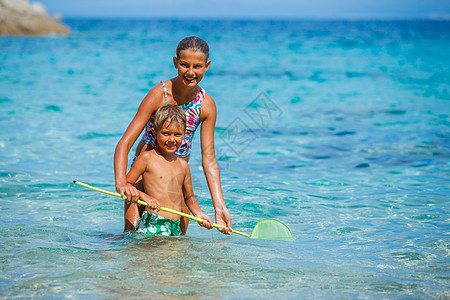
175, 62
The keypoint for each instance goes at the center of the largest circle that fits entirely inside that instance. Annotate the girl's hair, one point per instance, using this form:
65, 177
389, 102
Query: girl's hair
193, 43
170, 113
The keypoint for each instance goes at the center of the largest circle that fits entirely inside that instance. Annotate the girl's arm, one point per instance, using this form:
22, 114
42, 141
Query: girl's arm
150, 104
209, 163
191, 201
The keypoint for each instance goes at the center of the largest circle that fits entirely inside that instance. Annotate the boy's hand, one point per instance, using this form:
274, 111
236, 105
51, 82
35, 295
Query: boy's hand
152, 203
207, 222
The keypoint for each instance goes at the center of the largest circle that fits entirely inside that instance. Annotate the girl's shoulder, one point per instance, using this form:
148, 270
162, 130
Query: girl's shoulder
159, 88
157, 91
206, 96
208, 106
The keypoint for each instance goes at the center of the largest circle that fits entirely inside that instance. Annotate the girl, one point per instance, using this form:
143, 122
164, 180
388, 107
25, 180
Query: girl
191, 61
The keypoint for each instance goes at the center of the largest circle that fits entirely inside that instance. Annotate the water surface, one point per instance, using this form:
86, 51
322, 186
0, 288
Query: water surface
338, 129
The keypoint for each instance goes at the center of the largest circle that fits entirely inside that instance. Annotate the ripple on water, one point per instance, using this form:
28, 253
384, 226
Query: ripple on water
55, 108
425, 217
407, 256
362, 166
344, 133
95, 135
395, 112
390, 286
345, 230
325, 182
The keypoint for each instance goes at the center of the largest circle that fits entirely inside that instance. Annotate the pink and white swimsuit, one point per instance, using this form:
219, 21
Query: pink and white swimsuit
192, 110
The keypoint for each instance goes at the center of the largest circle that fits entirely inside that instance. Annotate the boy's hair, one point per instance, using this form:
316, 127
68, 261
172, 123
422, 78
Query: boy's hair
170, 113
193, 43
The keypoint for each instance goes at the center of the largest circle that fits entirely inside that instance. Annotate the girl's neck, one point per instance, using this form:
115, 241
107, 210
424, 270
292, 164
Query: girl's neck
183, 94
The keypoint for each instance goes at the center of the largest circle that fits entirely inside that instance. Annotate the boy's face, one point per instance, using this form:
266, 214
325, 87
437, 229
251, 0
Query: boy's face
169, 137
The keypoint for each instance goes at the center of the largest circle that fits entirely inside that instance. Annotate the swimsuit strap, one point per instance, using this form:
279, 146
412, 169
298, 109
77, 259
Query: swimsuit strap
165, 91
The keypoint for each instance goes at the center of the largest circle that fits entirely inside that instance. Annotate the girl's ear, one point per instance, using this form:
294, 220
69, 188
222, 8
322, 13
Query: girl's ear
153, 131
208, 64
175, 62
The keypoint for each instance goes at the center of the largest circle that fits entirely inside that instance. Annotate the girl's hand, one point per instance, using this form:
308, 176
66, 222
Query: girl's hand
223, 217
207, 222
128, 192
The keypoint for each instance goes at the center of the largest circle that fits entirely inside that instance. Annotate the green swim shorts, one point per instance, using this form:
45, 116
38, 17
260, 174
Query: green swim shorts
156, 225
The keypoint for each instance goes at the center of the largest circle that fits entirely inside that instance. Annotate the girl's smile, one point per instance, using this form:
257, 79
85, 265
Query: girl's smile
191, 66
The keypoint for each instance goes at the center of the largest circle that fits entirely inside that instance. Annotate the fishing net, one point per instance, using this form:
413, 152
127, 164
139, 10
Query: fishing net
271, 229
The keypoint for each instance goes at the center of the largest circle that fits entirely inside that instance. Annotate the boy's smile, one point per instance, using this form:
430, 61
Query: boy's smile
169, 138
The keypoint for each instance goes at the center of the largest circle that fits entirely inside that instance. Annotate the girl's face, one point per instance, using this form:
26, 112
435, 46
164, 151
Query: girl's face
191, 66
169, 137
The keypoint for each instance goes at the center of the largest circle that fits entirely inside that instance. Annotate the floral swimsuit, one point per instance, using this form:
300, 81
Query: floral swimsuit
192, 110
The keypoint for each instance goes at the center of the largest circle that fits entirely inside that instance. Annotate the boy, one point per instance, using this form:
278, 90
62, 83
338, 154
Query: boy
166, 178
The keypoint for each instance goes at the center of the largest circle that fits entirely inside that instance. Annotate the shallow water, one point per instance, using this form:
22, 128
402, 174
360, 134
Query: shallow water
338, 129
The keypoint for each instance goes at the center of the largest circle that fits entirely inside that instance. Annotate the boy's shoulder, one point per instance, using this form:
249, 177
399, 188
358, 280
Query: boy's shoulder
183, 164
147, 154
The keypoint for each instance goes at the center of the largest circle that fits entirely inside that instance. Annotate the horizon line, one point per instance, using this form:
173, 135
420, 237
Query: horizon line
254, 18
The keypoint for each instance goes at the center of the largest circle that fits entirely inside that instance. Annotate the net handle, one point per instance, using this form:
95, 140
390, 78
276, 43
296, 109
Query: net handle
161, 208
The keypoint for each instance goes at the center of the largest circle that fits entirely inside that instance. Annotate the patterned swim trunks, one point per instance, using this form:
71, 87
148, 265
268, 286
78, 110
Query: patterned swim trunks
156, 225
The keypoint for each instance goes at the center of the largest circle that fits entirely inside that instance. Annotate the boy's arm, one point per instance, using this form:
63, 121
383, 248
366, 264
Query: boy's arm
153, 204
138, 168
136, 171
191, 201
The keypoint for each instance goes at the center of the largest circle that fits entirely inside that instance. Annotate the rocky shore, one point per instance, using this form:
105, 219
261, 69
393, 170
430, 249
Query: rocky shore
19, 17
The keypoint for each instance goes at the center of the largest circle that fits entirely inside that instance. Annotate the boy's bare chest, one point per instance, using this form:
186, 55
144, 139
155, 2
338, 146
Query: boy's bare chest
166, 174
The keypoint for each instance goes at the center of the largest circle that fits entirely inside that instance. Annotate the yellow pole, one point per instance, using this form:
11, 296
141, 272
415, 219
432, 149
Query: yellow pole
161, 208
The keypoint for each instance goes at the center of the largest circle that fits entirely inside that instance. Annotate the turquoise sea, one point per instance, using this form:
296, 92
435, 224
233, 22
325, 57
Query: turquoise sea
339, 129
